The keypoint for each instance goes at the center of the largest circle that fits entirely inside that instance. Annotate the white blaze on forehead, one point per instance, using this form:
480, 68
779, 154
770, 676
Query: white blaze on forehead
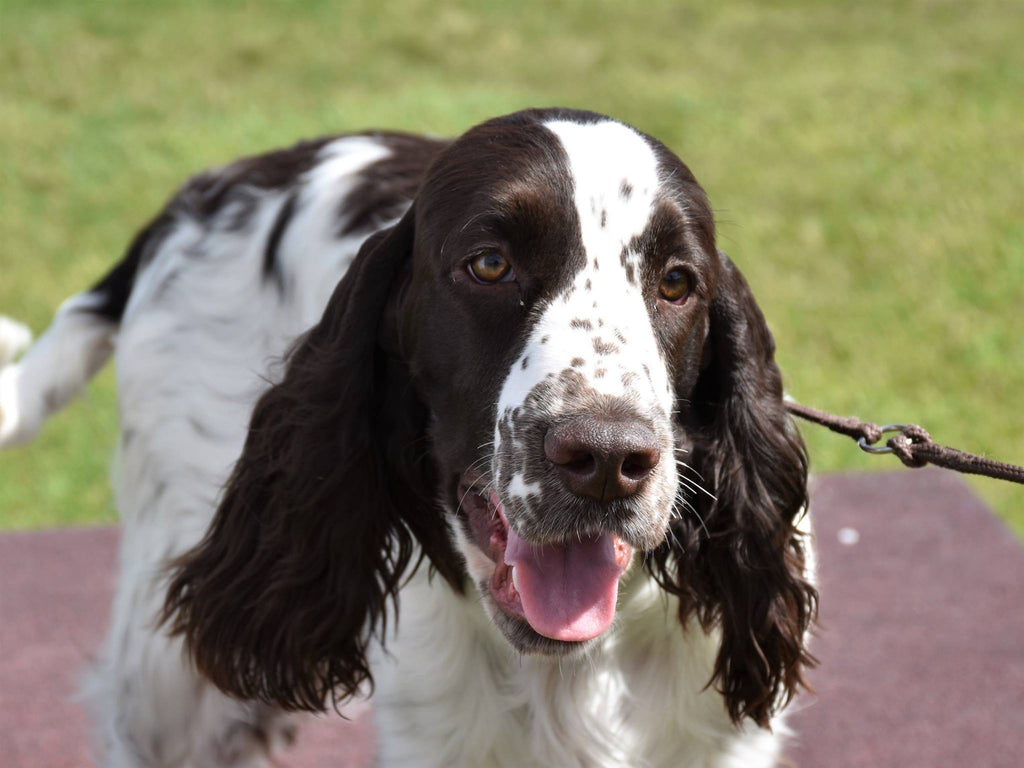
604, 156
600, 326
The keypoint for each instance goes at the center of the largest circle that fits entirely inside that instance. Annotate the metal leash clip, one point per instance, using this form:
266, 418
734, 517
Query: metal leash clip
863, 443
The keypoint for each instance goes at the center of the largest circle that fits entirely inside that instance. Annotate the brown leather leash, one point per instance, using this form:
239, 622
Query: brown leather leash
913, 445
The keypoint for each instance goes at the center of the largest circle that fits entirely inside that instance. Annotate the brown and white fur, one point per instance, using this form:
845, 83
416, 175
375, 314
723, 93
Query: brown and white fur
517, 357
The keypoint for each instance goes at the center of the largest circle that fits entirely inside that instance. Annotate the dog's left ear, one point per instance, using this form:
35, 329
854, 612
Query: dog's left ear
737, 561
321, 517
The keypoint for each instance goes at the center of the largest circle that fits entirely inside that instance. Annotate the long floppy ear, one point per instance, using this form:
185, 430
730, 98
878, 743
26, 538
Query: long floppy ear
739, 564
319, 519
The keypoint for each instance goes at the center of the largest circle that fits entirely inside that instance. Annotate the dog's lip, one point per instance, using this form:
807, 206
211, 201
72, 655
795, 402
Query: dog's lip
490, 534
488, 528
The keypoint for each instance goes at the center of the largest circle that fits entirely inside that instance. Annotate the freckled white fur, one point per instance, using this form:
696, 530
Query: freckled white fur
602, 156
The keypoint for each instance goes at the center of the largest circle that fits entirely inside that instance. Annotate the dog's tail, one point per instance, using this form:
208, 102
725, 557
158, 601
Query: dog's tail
72, 350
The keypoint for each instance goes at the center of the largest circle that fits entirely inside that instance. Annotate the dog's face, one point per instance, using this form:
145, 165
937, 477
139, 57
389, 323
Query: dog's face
554, 321
549, 340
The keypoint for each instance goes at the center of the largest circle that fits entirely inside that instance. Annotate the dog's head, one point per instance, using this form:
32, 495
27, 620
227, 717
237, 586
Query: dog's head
550, 342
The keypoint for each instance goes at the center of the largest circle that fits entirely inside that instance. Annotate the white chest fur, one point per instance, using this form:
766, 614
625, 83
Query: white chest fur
451, 692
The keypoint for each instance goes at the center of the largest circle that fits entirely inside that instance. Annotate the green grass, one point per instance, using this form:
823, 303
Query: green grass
864, 160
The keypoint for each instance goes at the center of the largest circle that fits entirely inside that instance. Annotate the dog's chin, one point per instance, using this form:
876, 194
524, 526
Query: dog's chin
534, 590
527, 641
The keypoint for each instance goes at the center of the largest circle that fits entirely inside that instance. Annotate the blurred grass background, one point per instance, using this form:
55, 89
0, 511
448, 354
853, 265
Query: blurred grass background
864, 160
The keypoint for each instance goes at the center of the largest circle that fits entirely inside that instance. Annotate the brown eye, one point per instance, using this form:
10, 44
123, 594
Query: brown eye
490, 267
675, 285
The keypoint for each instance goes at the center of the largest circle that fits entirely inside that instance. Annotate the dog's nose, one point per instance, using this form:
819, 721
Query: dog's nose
602, 458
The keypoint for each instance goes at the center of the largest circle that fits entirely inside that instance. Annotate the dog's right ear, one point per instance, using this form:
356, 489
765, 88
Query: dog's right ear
319, 520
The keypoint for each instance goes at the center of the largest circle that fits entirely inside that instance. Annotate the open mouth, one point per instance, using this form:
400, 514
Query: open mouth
566, 590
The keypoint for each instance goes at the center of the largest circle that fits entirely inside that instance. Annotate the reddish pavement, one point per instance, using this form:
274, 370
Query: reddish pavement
921, 645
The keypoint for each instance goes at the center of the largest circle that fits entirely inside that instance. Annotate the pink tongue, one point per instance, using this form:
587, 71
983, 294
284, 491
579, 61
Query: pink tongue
568, 590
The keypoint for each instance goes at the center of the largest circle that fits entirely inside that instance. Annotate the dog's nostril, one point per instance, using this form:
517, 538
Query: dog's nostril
637, 466
580, 462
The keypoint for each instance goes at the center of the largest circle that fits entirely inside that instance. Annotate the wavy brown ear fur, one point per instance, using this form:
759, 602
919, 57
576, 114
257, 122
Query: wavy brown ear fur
737, 561
319, 520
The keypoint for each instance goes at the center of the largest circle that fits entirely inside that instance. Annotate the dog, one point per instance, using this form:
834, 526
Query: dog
486, 429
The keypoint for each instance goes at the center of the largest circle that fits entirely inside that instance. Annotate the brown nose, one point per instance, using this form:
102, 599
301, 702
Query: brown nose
602, 458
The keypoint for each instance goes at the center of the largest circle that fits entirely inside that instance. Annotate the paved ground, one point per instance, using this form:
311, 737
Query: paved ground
921, 645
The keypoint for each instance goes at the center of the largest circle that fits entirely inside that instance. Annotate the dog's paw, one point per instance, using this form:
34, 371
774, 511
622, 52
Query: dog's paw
14, 339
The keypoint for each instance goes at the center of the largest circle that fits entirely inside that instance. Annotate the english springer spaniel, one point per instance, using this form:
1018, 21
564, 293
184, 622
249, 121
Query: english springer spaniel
486, 427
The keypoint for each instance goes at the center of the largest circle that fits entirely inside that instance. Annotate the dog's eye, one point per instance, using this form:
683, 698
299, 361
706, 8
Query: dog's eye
675, 285
490, 267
